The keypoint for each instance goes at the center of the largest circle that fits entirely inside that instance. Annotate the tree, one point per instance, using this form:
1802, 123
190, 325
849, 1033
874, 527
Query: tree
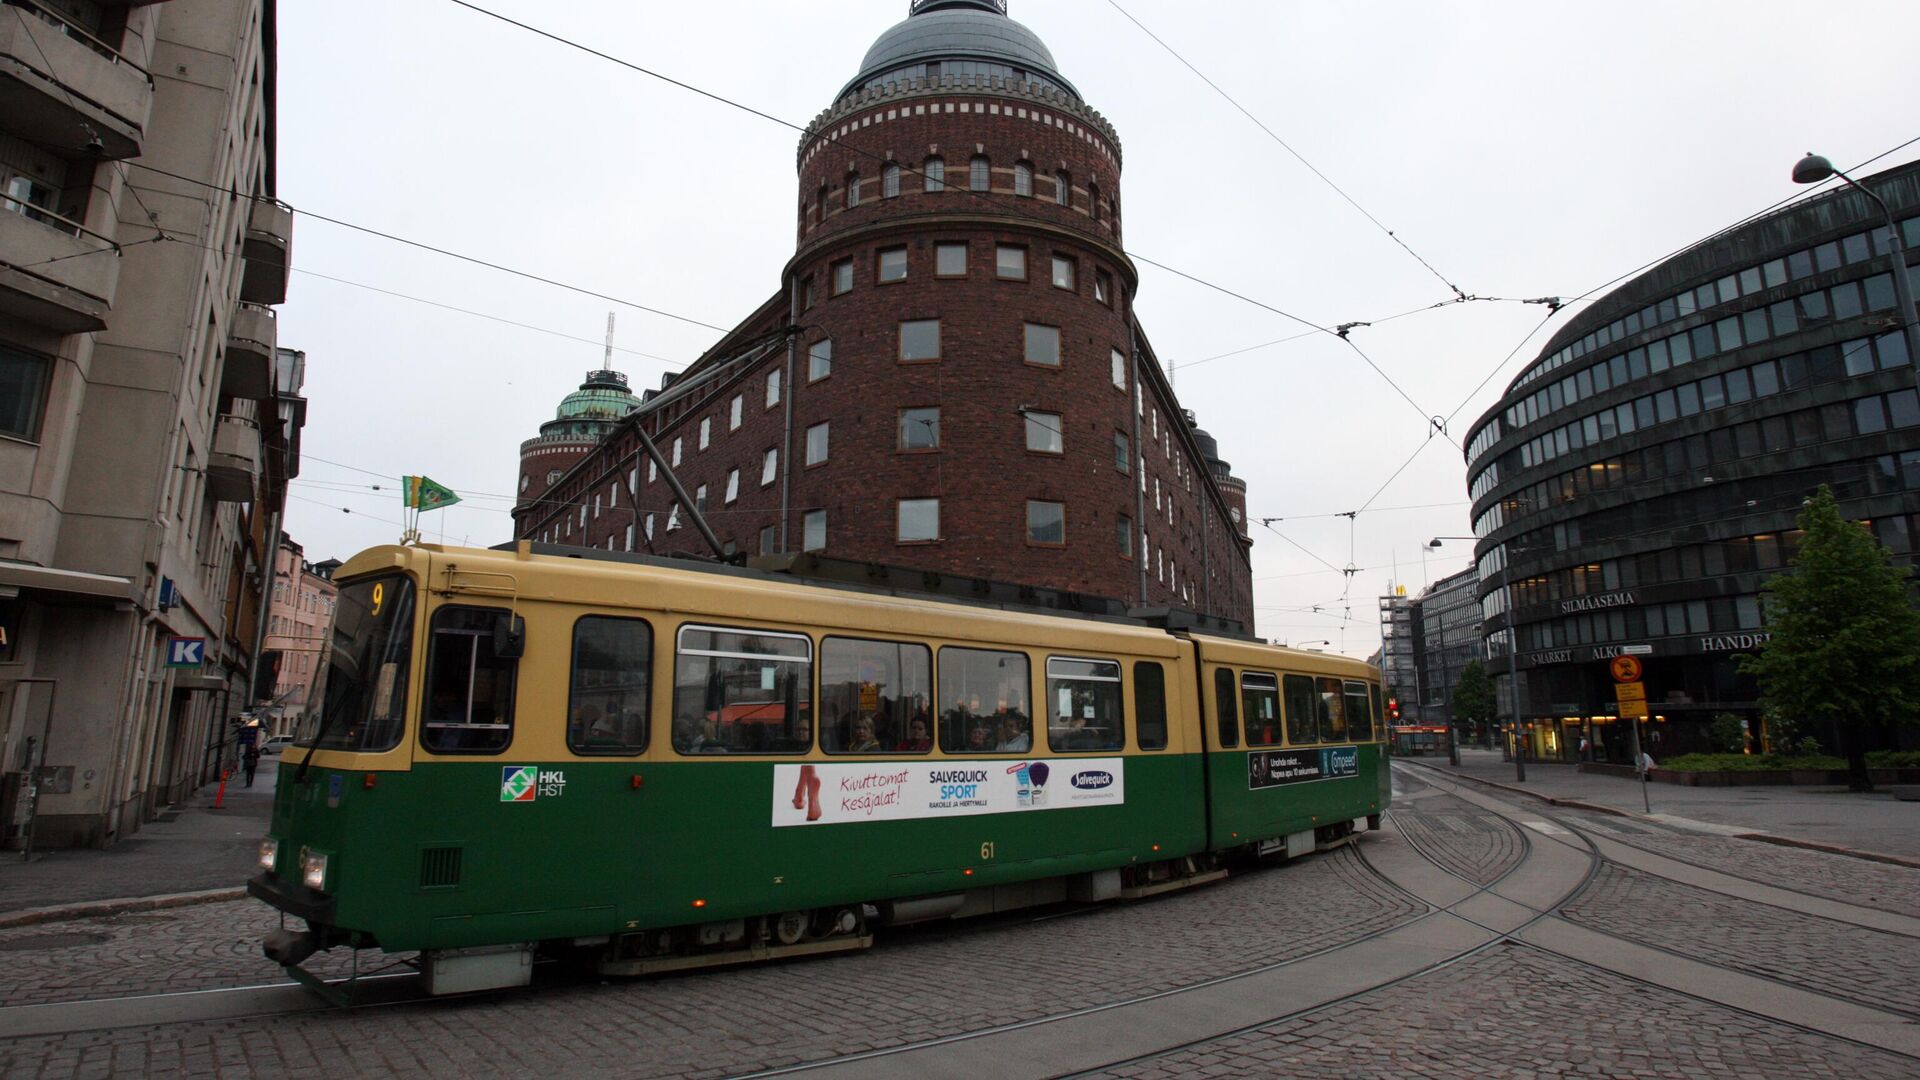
1473, 699
1844, 652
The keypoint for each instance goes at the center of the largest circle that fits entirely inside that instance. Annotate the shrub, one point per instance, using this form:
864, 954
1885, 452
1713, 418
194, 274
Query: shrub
1750, 762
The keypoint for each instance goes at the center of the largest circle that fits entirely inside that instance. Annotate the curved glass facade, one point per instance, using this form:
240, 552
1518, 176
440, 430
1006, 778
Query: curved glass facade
1639, 481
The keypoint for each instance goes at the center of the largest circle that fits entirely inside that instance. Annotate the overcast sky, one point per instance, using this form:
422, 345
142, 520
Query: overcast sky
1524, 149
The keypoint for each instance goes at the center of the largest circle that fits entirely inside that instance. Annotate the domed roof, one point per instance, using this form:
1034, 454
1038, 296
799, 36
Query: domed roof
604, 396
959, 30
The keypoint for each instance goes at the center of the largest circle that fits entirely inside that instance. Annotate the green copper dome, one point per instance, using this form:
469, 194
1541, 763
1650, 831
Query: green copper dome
602, 401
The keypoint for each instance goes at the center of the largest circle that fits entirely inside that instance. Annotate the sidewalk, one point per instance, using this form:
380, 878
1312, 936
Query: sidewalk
192, 848
1825, 816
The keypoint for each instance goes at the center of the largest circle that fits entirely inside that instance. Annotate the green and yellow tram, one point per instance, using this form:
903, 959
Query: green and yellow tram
658, 764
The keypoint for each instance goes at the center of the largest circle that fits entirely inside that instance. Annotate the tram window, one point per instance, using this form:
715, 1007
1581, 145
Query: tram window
1224, 702
1260, 701
986, 706
612, 680
1359, 720
742, 692
1083, 705
1150, 704
1303, 711
875, 697
1379, 715
364, 682
1333, 713
469, 689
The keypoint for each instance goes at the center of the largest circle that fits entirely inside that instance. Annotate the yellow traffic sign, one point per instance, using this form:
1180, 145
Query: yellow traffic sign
1636, 710
1630, 691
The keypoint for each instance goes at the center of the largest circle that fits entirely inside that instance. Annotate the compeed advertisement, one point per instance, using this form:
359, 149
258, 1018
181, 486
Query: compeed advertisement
1272, 768
829, 793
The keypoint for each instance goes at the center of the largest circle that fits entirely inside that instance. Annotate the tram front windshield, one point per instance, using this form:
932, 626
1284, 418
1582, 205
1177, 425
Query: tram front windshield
363, 691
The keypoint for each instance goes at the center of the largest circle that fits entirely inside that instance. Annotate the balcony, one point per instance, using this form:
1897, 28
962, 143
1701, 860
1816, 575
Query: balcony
250, 361
66, 90
54, 274
234, 465
268, 251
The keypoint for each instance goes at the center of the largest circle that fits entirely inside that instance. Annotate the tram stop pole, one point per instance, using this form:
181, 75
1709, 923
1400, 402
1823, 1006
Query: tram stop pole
1639, 767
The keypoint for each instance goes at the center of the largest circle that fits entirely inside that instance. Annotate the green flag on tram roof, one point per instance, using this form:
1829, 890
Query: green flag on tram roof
424, 494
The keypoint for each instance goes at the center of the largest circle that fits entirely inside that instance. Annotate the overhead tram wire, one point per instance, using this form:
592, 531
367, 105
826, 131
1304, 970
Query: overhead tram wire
908, 170
422, 245
1284, 145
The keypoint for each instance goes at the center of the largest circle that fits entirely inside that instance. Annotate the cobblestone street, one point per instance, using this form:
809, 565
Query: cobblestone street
1509, 1010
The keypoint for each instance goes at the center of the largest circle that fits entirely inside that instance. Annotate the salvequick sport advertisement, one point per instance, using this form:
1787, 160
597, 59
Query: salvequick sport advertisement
830, 793
1272, 768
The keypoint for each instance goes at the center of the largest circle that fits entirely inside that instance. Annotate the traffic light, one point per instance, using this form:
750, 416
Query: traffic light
1393, 709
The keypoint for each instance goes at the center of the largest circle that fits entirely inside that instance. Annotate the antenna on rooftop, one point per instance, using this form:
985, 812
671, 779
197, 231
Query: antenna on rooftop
607, 364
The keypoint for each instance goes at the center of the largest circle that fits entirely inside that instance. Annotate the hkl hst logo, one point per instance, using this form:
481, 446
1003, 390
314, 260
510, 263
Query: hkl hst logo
522, 783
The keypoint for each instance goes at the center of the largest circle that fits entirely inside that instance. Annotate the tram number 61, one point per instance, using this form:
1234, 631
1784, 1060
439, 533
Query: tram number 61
987, 850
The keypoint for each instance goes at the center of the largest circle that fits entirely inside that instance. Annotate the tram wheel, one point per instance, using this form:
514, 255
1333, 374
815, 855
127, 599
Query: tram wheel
789, 928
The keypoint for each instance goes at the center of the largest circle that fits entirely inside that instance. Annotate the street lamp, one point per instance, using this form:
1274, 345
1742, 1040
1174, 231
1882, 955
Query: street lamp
1304, 644
1513, 652
1811, 170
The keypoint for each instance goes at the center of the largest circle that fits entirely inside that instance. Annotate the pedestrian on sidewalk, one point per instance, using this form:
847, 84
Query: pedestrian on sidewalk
1646, 765
1583, 748
250, 760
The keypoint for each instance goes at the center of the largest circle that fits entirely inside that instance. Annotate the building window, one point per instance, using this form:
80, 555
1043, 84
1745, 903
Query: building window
1063, 189
813, 530
843, 277
653, 469
706, 432
649, 528
1103, 287
1046, 523
853, 190
673, 518
950, 260
1093, 200
700, 498
734, 410
23, 393
733, 484
891, 265
918, 520
1010, 263
817, 444
819, 359
769, 464
890, 181
1043, 345
773, 388
676, 455
1043, 432
980, 174
920, 429
767, 534
1023, 179
1122, 452
806, 293
1062, 272
935, 171
920, 339
820, 206
1119, 360
1123, 536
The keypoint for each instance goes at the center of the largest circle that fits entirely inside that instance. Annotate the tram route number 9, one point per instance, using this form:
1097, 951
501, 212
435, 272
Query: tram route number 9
987, 850
379, 596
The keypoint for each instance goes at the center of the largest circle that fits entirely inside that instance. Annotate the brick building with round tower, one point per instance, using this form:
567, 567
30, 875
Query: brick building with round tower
951, 378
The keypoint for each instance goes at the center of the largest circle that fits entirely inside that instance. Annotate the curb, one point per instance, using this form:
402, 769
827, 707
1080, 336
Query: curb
90, 909
1765, 838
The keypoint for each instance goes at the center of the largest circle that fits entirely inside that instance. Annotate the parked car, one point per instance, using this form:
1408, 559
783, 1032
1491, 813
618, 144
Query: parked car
276, 744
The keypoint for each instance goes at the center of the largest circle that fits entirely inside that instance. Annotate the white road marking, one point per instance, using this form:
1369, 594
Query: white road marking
1546, 827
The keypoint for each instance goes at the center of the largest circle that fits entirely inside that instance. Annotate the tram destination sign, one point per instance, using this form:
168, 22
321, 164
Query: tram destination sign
1273, 768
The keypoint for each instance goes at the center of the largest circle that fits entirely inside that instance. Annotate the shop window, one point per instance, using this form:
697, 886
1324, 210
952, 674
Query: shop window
739, 691
607, 709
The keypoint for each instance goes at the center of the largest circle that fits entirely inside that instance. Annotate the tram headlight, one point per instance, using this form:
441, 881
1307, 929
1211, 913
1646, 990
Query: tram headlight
313, 871
269, 853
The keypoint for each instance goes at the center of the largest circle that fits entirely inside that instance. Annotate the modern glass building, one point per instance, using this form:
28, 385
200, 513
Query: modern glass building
1637, 484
